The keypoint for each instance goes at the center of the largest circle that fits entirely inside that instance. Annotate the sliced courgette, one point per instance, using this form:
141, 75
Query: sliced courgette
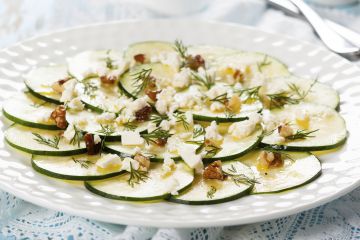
39, 82
326, 128
29, 111
78, 167
212, 191
210, 53
154, 186
41, 142
308, 90
299, 168
149, 49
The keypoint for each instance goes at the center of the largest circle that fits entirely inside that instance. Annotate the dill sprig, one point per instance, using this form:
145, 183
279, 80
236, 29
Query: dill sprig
130, 126
78, 136
265, 62
278, 100
198, 131
301, 93
274, 150
181, 118
83, 163
210, 149
301, 134
106, 130
136, 176
223, 99
89, 88
205, 81
155, 135
240, 178
140, 80
54, 142
211, 192
181, 49
249, 93
155, 118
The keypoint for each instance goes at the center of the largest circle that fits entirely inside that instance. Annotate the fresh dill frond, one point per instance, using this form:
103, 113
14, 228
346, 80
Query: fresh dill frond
210, 149
301, 134
211, 192
263, 63
240, 178
279, 151
301, 93
89, 88
54, 142
155, 135
106, 130
206, 81
136, 176
83, 163
181, 118
181, 49
249, 93
78, 136
141, 80
198, 131
155, 118
223, 99
130, 126
278, 100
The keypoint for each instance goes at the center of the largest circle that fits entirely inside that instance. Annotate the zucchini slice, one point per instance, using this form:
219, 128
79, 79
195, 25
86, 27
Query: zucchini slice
29, 111
148, 48
128, 83
212, 191
299, 168
328, 126
41, 142
79, 167
210, 53
232, 149
111, 130
154, 187
316, 92
39, 82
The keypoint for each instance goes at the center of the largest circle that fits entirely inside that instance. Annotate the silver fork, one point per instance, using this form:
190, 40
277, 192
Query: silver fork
330, 38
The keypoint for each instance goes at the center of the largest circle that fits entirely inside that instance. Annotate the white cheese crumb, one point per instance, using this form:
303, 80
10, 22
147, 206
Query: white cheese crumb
269, 120
182, 79
109, 160
188, 153
173, 144
212, 133
105, 117
190, 98
126, 164
130, 138
76, 104
69, 133
68, 92
168, 165
243, 129
216, 91
217, 107
97, 139
165, 103
165, 125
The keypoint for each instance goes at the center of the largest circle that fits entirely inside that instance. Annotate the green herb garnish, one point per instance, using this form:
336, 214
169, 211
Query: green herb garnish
83, 163
136, 176
211, 192
54, 142
141, 80
155, 135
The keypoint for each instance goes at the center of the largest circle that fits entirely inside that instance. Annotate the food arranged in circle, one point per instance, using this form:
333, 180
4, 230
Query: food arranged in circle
165, 121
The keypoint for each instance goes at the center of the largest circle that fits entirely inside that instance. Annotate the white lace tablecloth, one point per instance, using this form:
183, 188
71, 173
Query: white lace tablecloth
19, 219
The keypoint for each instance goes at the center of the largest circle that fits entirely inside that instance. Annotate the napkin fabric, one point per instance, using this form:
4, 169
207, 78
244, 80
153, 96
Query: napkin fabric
19, 219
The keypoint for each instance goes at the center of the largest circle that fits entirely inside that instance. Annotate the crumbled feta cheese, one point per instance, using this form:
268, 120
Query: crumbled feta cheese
165, 103
173, 144
189, 118
68, 92
188, 153
243, 129
138, 104
151, 127
165, 124
185, 135
69, 133
109, 160
269, 120
97, 139
169, 58
217, 90
173, 186
212, 133
190, 98
217, 107
129, 161
105, 117
76, 104
168, 165
129, 138
182, 79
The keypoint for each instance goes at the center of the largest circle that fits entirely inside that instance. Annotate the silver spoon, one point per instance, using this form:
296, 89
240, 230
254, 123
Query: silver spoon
329, 37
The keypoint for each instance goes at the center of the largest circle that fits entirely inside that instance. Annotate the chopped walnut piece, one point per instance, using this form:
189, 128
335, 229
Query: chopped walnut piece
285, 130
150, 89
195, 63
239, 76
108, 79
143, 161
58, 85
91, 147
234, 104
269, 159
59, 116
161, 142
214, 171
140, 58
143, 114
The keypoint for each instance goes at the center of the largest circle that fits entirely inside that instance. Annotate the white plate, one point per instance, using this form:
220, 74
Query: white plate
341, 169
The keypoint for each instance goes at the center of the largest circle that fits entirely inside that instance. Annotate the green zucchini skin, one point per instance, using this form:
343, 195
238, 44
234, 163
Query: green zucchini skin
40, 96
215, 201
71, 177
306, 149
47, 153
218, 119
29, 124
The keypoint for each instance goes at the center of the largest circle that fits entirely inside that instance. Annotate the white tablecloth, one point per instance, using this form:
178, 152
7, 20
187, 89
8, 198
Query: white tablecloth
19, 19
